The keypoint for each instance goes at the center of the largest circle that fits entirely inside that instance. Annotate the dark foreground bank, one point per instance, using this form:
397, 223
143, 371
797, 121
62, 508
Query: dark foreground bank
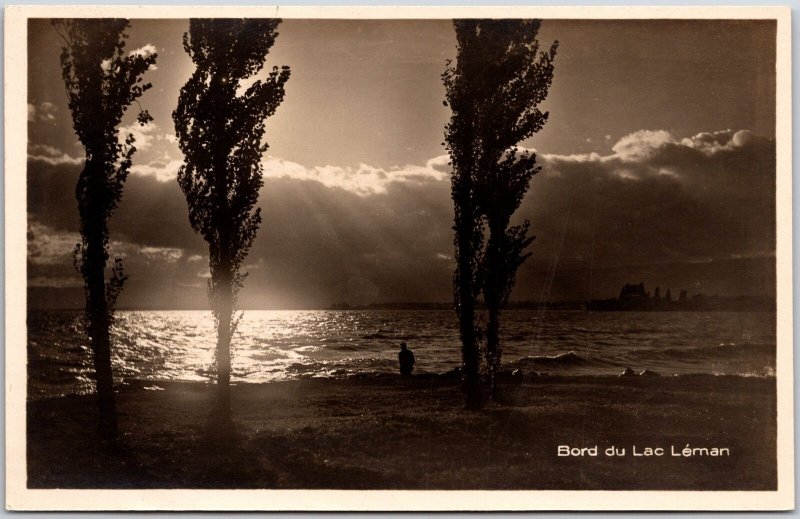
395, 433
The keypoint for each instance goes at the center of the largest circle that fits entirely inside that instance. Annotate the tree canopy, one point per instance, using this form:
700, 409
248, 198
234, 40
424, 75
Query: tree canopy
494, 90
220, 123
101, 82
220, 132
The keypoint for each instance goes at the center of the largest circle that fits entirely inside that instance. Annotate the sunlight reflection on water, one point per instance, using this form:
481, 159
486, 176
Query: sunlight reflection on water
279, 345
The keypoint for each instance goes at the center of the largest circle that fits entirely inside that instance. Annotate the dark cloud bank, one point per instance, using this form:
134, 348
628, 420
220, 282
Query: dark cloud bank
687, 213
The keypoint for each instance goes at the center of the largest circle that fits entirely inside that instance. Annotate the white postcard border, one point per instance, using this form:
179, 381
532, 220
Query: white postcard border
19, 497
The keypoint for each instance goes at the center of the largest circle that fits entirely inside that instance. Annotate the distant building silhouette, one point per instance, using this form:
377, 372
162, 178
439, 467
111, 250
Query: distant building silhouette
633, 293
634, 297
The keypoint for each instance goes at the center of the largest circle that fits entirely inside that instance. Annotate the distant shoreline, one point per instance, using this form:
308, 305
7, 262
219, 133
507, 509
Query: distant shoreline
515, 376
720, 304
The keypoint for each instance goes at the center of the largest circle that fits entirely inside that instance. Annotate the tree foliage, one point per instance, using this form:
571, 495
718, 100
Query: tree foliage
468, 224
220, 122
494, 90
101, 81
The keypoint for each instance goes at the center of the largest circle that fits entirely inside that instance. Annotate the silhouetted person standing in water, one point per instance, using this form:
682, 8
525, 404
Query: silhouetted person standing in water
406, 357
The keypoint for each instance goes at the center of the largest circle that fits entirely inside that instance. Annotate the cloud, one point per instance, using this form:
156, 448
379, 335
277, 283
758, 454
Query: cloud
648, 153
658, 198
150, 139
643, 145
694, 213
721, 141
640, 145
154, 271
45, 111
440, 164
54, 282
50, 246
165, 254
51, 155
163, 170
145, 51
151, 212
47, 247
365, 180
143, 135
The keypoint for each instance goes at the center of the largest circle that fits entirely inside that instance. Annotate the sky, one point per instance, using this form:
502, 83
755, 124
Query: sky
658, 166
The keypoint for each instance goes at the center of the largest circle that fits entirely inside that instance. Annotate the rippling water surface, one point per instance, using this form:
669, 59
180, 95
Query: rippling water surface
280, 345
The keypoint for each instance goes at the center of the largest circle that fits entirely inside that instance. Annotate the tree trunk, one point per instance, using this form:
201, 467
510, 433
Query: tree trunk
225, 315
224, 287
466, 303
492, 294
493, 346
469, 353
97, 312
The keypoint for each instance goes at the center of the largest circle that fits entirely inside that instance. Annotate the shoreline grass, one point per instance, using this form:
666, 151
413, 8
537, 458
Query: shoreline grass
413, 433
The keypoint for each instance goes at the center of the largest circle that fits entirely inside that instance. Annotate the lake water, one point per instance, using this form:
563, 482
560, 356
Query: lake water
281, 345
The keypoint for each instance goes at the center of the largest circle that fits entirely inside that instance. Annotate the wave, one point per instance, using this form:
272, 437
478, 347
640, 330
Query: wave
714, 352
344, 346
566, 360
377, 335
273, 346
389, 334
341, 366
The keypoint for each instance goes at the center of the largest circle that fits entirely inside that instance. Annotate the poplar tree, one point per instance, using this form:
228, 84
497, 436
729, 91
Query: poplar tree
460, 137
220, 122
101, 81
495, 89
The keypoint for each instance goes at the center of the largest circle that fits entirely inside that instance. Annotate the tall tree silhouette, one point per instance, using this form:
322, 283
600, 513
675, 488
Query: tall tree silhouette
460, 138
220, 134
495, 89
519, 79
101, 83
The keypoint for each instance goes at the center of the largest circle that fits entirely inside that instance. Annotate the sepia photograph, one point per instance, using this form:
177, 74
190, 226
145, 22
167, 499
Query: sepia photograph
271, 252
